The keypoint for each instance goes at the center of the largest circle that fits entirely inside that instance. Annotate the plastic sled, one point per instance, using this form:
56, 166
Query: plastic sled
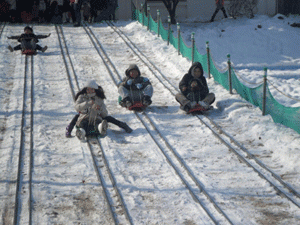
93, 133
137, 106
199, 109
29, 52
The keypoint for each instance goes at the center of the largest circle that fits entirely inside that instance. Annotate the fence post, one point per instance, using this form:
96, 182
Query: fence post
193, 47
229, 74
264, 92
158, 19
208, 59
148, 16
178, 35
142, 11
169, 28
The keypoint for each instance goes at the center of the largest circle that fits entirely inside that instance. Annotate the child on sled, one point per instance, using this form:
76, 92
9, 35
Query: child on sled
28, 41
194, 90
135, 88
93, 117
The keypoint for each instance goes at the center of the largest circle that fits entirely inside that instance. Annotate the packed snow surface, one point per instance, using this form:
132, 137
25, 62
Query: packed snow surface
65, 187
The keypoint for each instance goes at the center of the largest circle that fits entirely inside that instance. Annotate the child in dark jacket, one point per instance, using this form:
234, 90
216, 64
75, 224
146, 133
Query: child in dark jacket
28, 41
89, 103
134, 88
194, 89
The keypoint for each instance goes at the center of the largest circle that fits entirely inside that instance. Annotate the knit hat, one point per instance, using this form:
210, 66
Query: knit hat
92, 84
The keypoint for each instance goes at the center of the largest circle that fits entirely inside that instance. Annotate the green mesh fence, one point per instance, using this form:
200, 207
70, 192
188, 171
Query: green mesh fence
163, 32
152, 25
184, 50
288, 116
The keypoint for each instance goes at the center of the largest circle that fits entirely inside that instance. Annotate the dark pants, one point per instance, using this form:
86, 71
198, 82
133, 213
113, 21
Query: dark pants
28, 45
109, 119
77, 11
216, 12
90, 128
69, 8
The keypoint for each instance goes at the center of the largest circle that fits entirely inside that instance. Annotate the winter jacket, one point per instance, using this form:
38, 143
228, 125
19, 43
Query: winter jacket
136, 84
28, 37
87, 112
198, 93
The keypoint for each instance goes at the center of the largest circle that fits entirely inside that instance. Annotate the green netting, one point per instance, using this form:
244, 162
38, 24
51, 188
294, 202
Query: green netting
145, 21
163, 32
153, 25
140, 17
173, 40
287, 116
221, 78
184, 50
202, 59
252, 95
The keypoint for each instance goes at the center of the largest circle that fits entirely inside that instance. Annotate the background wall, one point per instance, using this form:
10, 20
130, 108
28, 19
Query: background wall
192, 10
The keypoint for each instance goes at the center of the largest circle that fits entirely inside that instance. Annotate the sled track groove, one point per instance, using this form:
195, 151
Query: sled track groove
2, 26
203, 198
284, 189
100, 163
25, 159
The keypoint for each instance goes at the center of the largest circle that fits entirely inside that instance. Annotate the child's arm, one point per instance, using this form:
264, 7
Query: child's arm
14, 37
183, 84
42, 36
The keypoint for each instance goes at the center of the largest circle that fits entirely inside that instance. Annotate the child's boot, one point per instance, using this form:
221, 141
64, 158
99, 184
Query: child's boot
102, 127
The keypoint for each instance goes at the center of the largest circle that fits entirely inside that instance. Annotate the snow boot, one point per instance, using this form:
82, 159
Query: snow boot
102, 127
80, 134
10, 48
45, 48
125, 127
187, 107
68, 132
146, 100
203, 104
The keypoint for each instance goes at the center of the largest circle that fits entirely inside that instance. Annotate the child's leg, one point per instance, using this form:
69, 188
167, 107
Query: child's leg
120, 124
38, 47
209, 99
185, 103
70, 127
18, 47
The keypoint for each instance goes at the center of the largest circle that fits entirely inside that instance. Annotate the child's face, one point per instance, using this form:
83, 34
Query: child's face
133, 74
197, 73
27, 31
90, 90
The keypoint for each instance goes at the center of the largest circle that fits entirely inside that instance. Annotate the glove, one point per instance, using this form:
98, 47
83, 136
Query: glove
126, 102
139, 86
129, 82
146, 100
194, 86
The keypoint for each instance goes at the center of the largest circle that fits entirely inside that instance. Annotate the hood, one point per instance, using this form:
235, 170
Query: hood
28, 28
195, 65
132, 67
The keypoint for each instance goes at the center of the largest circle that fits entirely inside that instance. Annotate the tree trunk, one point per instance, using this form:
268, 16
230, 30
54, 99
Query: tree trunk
171, 7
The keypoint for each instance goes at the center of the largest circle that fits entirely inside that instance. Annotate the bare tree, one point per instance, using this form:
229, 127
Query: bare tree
242, 8
171, 7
